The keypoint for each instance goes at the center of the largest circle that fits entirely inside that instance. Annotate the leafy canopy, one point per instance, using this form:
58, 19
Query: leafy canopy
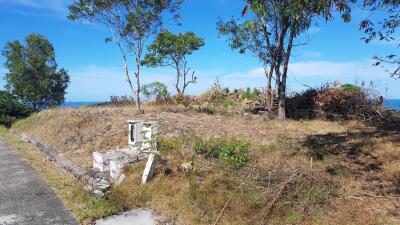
155, 90
268, 19
32, 72
11, 109
171, 49
384, 29
134, 20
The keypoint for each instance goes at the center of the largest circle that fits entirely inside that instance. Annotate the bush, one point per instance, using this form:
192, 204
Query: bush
232, 151
156, 90
11, 109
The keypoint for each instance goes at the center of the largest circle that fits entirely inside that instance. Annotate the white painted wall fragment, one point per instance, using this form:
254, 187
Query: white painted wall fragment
149, 169
101, 161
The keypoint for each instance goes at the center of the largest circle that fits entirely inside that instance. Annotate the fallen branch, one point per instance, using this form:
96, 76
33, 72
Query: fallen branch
278, 194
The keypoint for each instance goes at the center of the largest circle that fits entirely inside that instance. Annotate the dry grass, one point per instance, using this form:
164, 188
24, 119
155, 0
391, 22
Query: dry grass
79, 132
350, 172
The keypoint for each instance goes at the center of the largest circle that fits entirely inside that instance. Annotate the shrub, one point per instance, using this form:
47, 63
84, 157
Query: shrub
251, 94
11, 109
155, 90
233, 151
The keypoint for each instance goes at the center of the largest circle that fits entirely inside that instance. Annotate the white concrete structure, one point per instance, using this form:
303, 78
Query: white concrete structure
149, 169
134, 217
101, 161
142, 140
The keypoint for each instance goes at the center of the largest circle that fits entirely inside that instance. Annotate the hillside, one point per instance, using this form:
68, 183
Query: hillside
298, 172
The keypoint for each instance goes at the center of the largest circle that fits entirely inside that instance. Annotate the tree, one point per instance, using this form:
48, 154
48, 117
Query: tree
274, 25
172, 50
32, 73
11, 109
384, 29
131, 24
156, 90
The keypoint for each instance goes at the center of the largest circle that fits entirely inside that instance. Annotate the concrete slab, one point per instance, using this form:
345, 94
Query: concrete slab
134, 217
25, 199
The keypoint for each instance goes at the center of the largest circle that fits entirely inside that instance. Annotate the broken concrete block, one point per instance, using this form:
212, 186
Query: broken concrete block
98, 185
101, 161
116, 167
149, 169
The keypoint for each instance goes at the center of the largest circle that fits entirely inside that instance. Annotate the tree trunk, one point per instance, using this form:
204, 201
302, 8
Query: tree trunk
128, 78
178, 76
268, 91
282, 86
137, 74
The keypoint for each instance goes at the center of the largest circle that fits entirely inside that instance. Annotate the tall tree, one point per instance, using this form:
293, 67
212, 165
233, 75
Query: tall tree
172, 50
32, 72
276, 24
131, 24
384, 29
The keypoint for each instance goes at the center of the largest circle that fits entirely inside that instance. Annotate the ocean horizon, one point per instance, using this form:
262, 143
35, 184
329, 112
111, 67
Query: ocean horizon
392, 104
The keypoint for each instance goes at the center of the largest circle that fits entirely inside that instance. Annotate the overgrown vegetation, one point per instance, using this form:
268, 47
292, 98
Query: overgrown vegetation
294, 172
156, 91
232, 151
12, 110
336, 101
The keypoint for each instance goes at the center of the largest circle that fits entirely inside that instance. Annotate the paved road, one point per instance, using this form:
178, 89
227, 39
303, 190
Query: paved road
25, 199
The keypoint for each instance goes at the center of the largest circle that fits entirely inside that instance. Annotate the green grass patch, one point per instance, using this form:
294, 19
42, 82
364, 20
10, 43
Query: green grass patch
233, 151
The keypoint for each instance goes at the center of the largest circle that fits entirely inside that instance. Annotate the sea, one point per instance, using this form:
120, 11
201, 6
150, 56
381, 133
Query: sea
389, 104
392, 104
77, 104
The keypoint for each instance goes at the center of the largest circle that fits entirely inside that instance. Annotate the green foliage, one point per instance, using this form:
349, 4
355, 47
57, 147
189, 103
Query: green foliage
155, 90
168, 145
170, 49
133, 19
11, 109
234, 151
352, 88
32, 72
131, 24
251, 94
384, 29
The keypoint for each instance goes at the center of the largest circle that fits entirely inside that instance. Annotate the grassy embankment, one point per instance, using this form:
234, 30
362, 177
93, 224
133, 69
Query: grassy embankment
84, 206
245, 170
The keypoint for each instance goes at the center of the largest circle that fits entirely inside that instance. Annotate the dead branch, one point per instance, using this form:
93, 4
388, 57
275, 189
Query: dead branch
271, 204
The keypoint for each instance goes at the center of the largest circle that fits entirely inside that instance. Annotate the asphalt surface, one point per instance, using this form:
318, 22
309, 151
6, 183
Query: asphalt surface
25, 199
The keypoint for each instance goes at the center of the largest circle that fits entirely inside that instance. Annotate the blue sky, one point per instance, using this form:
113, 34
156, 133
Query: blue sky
334, 51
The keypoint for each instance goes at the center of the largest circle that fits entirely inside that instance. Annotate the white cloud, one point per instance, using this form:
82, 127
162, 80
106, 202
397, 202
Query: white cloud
59, 6
313, 30
327, 69
310, 54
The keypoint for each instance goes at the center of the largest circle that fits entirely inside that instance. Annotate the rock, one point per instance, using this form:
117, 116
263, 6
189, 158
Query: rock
186, 167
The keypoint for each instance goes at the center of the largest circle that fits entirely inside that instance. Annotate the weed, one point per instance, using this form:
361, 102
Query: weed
168, 145
230, 150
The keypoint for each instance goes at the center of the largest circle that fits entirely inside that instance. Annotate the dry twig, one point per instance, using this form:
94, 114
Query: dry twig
279, 192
